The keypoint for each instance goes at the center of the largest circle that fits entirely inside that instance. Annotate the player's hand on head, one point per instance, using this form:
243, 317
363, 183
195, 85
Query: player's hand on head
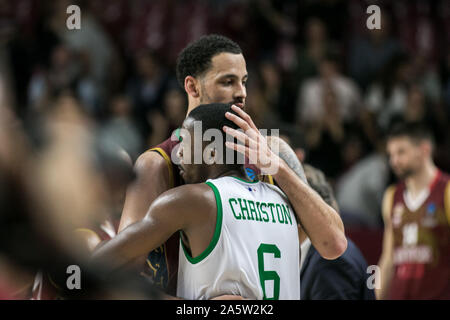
252, 143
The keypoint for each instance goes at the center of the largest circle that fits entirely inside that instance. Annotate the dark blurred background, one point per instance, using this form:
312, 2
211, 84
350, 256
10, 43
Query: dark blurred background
332, 86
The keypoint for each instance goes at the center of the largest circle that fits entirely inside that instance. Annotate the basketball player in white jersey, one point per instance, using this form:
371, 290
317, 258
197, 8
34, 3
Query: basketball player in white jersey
238, 237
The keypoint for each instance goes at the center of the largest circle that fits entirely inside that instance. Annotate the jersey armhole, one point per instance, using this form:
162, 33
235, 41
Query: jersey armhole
169, 165
217, 230
389, 201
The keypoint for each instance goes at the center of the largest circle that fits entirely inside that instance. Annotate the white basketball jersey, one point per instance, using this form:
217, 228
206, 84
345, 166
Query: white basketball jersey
254, 252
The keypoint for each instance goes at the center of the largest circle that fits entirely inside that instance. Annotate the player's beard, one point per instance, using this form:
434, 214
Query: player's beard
404, 174
205, 98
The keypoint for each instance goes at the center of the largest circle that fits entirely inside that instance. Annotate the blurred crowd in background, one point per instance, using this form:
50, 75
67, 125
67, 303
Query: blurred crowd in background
316, 72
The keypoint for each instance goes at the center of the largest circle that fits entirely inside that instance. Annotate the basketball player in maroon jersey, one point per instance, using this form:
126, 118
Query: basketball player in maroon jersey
211, 70
415, 262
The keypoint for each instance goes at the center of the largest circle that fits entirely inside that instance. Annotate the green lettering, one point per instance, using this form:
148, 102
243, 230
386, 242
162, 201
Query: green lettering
258, 215
243, 208
287, 214
271, 205
279, 210
252, 208
238, 217
266, 218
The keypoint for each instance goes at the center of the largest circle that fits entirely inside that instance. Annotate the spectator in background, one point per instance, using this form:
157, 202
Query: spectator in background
172, 116
311, 106
90, 39
326, 105
420, 109
370, 54
388, 95
333, 13
87, 88
62, 74
147, 87
425, 75
325, 136
360, 190
314, 51
272, 92
344, 278
120, 128
174, 107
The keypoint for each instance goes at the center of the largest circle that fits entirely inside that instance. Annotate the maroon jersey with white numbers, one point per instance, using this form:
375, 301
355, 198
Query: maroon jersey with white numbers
421, 229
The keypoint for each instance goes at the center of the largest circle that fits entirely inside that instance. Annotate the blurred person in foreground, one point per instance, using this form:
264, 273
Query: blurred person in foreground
415, 262
212, 69
344, 278
47, 193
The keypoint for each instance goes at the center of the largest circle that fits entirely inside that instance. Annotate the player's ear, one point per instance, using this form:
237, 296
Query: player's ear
191, 85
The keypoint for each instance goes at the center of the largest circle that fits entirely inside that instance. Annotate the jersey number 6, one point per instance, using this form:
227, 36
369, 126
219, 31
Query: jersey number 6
268, 275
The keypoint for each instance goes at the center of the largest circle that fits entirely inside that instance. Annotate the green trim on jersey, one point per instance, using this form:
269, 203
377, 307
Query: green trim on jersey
177, 134
240, 179
217, 231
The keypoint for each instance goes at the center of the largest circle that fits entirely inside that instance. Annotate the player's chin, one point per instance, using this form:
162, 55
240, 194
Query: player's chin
402, 174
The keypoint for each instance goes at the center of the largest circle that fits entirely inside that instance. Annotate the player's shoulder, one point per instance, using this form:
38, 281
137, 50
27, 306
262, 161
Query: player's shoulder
388, 200
444, 177
154, 157
187, 197
149, 160
390, 190
159, 156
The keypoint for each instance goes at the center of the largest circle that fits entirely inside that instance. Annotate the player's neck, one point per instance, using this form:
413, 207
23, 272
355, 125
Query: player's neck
192, 104
224, 171
422, 179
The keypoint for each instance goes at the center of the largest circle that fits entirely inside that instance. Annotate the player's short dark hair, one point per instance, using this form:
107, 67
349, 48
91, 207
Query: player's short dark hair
416, 131
212, 116
196, 57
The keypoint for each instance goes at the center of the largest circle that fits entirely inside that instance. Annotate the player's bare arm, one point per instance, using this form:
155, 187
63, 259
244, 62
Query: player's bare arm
321, 222
386, 263
152, 179
288, 155
187, 208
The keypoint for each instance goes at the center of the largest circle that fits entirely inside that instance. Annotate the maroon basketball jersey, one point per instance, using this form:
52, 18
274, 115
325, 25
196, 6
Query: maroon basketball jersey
421, 230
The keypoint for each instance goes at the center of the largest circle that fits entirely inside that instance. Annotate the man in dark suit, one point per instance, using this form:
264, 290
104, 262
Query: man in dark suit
344, 278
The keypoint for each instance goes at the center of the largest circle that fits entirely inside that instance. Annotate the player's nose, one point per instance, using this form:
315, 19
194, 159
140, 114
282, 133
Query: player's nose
241, 92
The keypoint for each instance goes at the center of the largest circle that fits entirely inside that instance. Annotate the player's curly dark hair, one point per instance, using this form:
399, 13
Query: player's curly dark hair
196, 57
